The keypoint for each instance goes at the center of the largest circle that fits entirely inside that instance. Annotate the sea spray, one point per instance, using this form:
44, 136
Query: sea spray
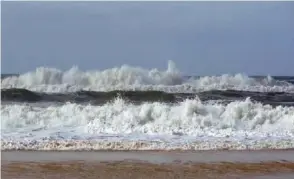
126, 77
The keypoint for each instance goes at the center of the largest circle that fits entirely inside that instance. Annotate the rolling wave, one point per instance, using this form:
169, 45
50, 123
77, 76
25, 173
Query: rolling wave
134, 108
190, 117
99, 98
134, 78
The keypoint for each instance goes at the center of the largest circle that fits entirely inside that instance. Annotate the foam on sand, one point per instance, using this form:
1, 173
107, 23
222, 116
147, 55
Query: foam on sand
86, 145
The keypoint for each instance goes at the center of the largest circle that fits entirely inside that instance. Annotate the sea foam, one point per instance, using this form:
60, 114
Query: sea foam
191, 117
135, 78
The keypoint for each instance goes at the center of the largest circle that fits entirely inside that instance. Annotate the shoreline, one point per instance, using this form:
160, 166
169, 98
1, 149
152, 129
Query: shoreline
247, 156
147, 164
152, 150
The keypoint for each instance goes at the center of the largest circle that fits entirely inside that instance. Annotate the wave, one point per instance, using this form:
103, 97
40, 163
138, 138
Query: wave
191, 117
134, 78
137, 97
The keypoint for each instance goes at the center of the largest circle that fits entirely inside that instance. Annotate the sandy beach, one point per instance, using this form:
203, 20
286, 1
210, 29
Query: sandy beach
148, 164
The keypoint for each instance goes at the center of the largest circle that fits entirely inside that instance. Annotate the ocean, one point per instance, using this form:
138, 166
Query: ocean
132, 108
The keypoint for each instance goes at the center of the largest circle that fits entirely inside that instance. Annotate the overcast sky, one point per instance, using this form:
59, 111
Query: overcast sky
202, 38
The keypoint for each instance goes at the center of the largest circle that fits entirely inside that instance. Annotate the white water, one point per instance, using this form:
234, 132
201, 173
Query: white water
135, 78
187, 125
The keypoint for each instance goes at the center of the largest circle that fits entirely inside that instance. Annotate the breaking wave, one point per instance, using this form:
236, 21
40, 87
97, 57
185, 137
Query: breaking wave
134, 78
191, 117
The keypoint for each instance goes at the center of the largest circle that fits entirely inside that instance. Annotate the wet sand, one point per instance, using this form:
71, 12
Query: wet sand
148, 164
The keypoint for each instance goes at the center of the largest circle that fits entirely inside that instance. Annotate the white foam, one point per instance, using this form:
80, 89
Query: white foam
135, 78
191, 118
146, 145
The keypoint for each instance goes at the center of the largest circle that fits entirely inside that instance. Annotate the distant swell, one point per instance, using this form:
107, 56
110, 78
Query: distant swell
97, 98
126, 77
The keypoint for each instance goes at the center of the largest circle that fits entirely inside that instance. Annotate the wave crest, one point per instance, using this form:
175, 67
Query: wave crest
191, 117
135, 78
